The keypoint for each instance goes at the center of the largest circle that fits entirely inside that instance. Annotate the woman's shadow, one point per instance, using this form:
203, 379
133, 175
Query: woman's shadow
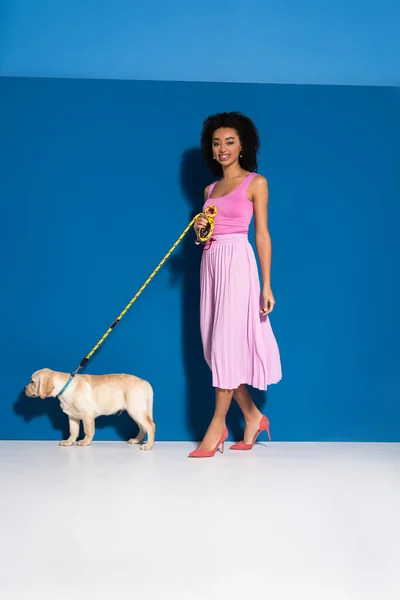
185, 269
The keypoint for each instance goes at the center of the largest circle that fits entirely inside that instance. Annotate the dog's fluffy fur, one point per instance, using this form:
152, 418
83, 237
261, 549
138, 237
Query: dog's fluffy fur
89, 396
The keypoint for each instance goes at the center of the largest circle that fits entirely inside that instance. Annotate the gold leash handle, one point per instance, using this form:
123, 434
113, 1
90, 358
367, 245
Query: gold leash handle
204, 234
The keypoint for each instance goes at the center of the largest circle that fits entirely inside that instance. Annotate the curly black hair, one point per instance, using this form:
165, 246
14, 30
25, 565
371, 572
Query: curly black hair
246, 131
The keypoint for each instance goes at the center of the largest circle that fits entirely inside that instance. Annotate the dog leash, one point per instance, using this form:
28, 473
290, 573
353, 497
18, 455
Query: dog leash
202, 237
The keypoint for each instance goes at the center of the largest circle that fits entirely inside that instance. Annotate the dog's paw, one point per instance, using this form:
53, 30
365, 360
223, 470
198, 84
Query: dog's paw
134, 441
146, 446
83, 442
66, 443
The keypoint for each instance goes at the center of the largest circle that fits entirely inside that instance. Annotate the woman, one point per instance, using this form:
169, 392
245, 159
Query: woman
238, 342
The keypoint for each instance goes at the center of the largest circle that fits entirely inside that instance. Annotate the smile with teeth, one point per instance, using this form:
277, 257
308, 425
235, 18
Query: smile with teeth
223, 156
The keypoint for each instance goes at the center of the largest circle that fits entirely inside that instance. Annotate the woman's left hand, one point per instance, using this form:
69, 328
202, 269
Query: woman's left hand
269, 301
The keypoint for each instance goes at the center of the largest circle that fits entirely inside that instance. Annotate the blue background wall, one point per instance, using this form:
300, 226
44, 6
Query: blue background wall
101, 173
98, 180
351, 42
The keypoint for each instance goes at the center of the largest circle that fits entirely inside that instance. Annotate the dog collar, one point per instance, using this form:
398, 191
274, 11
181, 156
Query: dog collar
66, 385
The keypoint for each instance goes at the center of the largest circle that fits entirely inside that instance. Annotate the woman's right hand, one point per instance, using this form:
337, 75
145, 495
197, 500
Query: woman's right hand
200, 223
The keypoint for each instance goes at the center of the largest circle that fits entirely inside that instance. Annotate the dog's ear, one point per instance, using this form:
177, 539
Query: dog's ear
46, 387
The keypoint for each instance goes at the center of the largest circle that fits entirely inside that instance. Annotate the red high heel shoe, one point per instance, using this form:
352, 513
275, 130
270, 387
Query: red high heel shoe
264, 426
209, 453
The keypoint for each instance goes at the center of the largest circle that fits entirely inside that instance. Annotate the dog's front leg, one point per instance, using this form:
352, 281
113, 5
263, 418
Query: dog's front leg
73, 432
88, 426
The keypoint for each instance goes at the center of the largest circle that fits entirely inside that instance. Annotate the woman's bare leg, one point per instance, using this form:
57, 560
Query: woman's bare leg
250, 412
223, 399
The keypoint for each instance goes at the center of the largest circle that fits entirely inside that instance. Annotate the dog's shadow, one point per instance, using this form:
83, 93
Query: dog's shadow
30, 409
124, 426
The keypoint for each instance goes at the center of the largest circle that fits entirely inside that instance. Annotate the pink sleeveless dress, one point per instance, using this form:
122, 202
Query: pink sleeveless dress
238, 342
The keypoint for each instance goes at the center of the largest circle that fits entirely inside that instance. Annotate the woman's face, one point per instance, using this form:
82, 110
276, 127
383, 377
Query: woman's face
226, 146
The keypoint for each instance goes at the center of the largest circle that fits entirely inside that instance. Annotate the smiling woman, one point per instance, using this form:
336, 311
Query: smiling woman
228, 138
238, 341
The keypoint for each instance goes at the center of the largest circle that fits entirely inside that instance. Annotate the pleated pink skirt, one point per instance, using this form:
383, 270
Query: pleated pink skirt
239, 344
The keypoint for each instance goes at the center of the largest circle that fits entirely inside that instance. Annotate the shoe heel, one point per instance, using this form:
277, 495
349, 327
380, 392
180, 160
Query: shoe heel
222, 447
265, 427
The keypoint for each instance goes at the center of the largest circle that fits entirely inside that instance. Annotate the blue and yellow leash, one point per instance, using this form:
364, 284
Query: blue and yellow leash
202, 238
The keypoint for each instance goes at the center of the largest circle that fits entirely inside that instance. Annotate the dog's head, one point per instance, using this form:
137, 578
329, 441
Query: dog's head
41, 385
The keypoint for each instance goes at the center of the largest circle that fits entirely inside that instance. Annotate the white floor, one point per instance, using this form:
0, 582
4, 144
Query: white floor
284, 521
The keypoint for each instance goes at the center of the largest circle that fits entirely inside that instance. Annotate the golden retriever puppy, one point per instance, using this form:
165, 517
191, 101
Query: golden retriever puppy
89, 396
